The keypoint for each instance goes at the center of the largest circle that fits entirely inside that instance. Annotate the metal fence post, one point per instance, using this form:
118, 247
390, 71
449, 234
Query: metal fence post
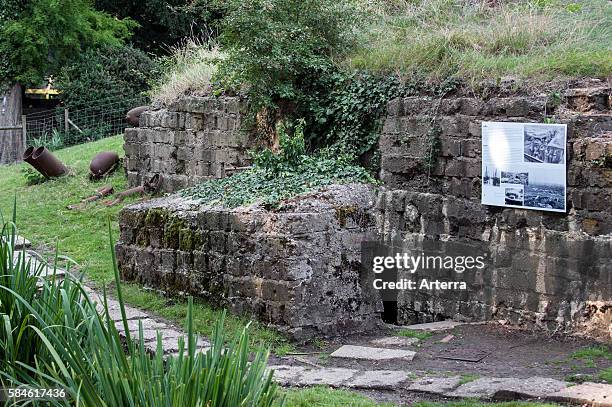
24, 131
66, 118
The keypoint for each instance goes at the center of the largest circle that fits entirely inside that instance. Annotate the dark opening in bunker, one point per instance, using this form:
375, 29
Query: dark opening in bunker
389, 314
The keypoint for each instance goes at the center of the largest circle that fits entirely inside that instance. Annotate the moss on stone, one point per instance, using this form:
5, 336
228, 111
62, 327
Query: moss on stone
172, 231
343, 212
189, 239
155, 217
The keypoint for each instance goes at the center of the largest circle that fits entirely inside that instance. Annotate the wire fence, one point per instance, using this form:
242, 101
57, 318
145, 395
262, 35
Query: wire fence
61, 127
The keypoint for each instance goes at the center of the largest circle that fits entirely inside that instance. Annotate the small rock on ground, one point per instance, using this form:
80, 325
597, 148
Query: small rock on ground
369, 353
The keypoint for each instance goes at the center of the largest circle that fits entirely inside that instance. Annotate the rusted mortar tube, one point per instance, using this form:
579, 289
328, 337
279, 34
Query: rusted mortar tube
103, 163
150, 187
27, 157
133, 116
100, 193
45, 162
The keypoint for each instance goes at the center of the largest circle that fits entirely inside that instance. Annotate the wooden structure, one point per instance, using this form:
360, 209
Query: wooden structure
12, 126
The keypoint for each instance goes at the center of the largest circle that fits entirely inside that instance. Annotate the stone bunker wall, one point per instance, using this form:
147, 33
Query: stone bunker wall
296, 268
195, 139
552, 270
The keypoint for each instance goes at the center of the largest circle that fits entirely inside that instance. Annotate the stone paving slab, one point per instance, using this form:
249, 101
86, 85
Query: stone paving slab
287, 375
378, 379
372, 354
47, 270
20, 242
296, 376
435, 326
435, 385
507, 388
130, 313
593, 394
332, 376
399, 341
199, 349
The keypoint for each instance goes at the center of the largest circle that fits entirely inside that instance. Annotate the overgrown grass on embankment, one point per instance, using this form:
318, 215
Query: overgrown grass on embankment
487, 40
82, 235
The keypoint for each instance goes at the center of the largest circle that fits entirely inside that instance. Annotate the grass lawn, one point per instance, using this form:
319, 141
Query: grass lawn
529, 39
327, 397
590, 357
412, 333
82, 235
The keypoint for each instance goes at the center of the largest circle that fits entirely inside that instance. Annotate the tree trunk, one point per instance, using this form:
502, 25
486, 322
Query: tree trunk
11, 141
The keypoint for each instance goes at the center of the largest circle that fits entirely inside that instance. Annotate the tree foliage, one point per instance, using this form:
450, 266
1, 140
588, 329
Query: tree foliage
276, 47
165, 23
41, 36
105, 72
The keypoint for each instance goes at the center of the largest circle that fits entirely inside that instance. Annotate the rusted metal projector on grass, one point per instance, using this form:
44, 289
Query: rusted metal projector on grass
133, 116
103, 164
44, 162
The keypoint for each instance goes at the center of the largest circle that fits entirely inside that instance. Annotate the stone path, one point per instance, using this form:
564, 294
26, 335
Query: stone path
150, 326
386, 348
372, 354
485, 388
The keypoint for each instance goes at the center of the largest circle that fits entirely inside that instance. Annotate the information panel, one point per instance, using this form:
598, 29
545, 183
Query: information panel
523, 165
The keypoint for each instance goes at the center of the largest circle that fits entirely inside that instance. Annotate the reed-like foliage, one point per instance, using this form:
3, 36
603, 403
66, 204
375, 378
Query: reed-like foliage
53, 337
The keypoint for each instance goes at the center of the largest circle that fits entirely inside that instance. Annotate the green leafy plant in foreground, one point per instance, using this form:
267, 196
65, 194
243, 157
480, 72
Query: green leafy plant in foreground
53, 337
276, 177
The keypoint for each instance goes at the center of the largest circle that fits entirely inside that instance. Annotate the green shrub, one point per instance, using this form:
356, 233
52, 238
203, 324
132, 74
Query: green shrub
344, 110
164, 23
277, 47
100, 87
55, 141
112, 74
39, 37
32, 176
52, 336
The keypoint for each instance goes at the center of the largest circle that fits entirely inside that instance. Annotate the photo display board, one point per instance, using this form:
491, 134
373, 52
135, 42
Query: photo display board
523, 165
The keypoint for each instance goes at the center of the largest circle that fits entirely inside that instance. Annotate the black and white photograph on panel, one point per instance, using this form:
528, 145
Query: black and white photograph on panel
514, 196
508, 177
491, 178
544, 144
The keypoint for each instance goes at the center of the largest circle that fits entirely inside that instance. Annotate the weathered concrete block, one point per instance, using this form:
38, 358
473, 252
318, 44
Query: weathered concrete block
190, 130
274, 265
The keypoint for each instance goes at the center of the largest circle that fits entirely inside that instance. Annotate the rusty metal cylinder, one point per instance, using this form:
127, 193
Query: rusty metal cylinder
27, 157
133, 116
47, 164
103, 163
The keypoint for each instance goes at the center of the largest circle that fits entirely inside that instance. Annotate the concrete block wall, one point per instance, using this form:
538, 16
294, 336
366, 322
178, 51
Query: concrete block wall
296, 268
195, 139
548, 269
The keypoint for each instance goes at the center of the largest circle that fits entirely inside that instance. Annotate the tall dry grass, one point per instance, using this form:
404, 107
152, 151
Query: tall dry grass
187, 70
